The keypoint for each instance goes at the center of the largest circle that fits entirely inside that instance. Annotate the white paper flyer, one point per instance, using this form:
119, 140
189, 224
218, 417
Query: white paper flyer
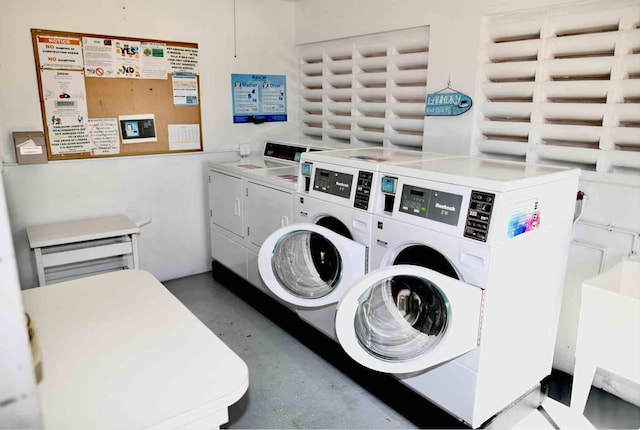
103, 136
65, 104
127, 60
183, 59
154, 60
185, 89
99, 57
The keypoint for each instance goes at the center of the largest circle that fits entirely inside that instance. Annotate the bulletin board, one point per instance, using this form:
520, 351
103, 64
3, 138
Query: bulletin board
108, 96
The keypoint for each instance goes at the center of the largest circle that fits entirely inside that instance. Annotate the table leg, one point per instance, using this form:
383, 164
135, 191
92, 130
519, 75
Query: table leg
134, 250
39, 267
583, 373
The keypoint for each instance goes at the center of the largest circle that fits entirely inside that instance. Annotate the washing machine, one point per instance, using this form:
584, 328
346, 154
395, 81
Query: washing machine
309, 268
269, 205
250, 198
464, 305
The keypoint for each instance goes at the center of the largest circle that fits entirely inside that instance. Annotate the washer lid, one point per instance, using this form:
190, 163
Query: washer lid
310, 266
405, 318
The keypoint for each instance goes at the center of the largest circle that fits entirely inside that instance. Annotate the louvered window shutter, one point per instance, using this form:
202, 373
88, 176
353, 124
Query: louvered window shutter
563, 87
367, 90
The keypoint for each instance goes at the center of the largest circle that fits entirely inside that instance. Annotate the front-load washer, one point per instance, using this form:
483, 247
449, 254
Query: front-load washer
335, 193
246, 203
465, 304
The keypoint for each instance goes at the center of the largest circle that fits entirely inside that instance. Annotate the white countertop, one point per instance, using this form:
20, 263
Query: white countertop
120, 351
79, 231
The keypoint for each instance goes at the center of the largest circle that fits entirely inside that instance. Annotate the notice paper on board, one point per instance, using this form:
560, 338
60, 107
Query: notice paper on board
60, 52
99, 57
127, 58
182, 59
103, 136
65, 106
184, 136
185, 89
154, 60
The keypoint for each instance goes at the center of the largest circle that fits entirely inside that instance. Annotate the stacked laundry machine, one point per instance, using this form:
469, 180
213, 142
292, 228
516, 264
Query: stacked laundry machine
447, 273
249, 199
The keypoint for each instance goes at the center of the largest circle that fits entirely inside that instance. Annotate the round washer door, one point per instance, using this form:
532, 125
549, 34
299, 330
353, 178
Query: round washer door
310, 266
405, 318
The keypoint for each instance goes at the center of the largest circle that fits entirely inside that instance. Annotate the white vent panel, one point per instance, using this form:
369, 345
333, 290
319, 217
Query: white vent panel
562, 86
367, 90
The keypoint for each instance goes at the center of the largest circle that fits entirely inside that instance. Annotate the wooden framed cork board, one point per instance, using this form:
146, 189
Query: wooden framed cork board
109, 96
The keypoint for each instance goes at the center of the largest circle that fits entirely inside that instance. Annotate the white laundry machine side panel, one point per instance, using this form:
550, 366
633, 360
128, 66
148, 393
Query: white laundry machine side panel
521, 313
529, 209
266, 209
228, 251
452, 386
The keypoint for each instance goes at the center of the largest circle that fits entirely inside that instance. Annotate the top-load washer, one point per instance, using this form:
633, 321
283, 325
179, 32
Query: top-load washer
464, 306
249, 199
306, 264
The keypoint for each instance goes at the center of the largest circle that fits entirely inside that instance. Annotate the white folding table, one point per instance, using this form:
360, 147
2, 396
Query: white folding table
120, 351
94, 240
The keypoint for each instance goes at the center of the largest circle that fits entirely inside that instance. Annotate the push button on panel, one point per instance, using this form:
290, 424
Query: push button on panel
363, 190
479, 215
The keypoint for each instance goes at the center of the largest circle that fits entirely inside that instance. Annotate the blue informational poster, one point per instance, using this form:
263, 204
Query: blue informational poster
259, 98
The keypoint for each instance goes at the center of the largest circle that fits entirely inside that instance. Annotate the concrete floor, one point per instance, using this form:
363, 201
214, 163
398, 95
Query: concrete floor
290, 386
300, 379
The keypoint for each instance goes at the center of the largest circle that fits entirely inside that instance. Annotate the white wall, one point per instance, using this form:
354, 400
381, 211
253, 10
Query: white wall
170, 189
19, 406
454, 51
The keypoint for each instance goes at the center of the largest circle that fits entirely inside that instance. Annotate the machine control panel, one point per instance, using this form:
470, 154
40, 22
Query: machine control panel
479, 215
430, 204
363, 190
283, 152
334, 183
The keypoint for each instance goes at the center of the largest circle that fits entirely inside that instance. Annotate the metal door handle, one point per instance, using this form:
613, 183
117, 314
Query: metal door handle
236, 206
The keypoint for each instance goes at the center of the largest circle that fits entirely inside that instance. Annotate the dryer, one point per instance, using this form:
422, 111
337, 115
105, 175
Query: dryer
250, 198
308, 268
464, 306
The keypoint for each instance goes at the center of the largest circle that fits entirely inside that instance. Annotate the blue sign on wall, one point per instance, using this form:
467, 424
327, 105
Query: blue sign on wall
259, 98
447, 104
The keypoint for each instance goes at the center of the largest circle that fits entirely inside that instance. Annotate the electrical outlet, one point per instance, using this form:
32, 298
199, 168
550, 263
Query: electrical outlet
244, 150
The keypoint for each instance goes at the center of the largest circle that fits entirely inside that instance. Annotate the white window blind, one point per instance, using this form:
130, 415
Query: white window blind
563, 87
367, 90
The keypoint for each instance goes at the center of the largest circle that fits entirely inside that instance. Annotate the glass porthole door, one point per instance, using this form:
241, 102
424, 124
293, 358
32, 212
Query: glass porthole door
308, 265
405, 318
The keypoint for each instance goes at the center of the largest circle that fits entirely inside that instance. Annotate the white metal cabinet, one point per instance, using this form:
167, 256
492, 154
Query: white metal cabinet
267, 210
225, 194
